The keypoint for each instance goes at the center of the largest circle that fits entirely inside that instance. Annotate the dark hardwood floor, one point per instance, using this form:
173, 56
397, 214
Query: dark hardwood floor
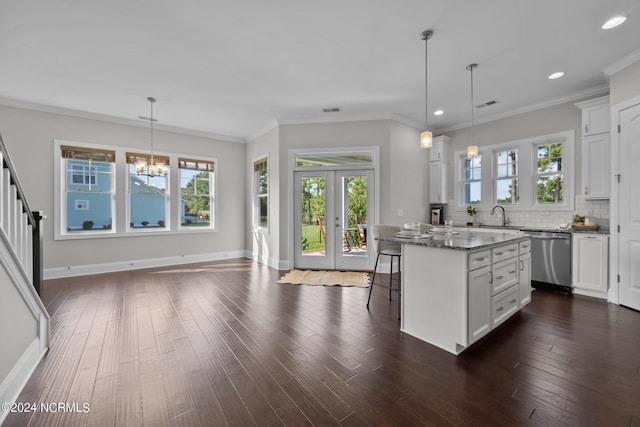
221, 344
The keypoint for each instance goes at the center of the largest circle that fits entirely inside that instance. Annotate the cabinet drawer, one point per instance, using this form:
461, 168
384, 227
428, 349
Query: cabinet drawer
505, 274
504, 305
525, 247
504, 252
479, 259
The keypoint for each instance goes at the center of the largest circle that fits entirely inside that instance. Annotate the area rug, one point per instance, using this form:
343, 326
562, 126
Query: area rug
326, 278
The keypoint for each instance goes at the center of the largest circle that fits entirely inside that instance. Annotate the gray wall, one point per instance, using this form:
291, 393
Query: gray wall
29, 137
625, 84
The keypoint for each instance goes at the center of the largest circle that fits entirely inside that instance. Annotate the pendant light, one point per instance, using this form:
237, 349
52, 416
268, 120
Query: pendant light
426, 138
152, 168
472, 150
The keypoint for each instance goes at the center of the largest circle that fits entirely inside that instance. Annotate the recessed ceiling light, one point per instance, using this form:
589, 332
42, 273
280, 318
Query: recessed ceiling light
438, 113
556, 75
614, 22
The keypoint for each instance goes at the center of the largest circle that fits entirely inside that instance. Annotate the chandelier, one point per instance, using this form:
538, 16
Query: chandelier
151, 169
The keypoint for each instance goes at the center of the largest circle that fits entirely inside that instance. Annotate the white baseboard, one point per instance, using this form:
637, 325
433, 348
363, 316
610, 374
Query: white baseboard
84, 270
588, 293
12, 385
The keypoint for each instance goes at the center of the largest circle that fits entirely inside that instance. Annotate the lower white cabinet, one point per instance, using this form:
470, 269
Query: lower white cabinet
590, 264
479, 303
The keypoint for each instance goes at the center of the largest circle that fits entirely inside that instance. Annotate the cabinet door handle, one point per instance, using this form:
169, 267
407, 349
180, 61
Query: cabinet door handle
512, 272
512, 301
500, 308
586, 190
499, 253
491, 280
521, 265
512, 250
498, 277
479, 259
586, 128
525, 246
589, 237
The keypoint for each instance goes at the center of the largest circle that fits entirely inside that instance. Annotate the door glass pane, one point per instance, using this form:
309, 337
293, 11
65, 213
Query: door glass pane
354, 211
313, 230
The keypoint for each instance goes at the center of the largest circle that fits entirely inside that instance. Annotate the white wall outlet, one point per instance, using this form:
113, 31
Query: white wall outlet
400, 212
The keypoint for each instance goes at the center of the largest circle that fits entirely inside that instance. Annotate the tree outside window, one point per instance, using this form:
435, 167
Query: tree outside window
196, 193
472, 180
507, 177
549, 180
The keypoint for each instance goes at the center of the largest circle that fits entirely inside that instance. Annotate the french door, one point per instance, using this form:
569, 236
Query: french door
332, 209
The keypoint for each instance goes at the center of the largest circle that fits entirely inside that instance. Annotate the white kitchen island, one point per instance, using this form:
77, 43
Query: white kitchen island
457, 288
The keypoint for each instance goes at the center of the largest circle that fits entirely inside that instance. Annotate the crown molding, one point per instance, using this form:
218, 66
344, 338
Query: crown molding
622, 63
594, 91
271, 125
112, 119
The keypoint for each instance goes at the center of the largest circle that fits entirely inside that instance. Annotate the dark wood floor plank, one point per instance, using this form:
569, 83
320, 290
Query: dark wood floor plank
220, 343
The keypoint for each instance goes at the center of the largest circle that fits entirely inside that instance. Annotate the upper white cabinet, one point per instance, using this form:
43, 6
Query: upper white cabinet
595, 166
595, 116
439, 152
595, 148
439, 170
590, 264
438, 182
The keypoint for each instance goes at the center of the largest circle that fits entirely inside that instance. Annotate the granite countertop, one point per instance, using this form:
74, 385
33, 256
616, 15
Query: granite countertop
601, 230
463, 240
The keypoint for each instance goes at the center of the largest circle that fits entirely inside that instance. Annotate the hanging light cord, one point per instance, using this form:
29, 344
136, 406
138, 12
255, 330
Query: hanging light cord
470, 68
151, 100
426, 35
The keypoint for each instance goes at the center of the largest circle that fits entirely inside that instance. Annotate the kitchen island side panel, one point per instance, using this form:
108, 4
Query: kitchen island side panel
434, 296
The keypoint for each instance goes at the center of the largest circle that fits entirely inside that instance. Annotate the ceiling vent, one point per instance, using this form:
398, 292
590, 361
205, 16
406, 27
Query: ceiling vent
331, 110
486, 104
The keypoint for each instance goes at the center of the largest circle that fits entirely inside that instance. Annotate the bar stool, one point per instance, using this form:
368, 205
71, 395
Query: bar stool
386, 248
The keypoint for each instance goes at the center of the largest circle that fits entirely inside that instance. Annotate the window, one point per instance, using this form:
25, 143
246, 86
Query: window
471, 181
261, 188
196, 193
533, 174
549, 173
148, 195
507, 177
88, 189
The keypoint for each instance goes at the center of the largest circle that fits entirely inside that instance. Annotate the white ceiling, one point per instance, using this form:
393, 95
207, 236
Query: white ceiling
234, 67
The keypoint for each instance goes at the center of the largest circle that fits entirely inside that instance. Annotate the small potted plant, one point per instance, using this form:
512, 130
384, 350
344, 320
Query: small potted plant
471, 211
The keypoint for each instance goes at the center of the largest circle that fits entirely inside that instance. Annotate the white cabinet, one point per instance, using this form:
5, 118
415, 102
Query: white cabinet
595, 116
590, 264
438, 182
595, 148
439, 170
479, 303
524, 278
595, 166
439, 152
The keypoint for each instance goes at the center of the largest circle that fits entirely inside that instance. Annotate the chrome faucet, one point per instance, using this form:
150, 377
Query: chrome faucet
504, 215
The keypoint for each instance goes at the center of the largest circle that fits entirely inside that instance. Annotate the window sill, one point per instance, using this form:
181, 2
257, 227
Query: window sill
136, 233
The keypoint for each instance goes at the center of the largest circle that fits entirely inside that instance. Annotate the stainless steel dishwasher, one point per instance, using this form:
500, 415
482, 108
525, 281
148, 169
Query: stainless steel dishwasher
551, 259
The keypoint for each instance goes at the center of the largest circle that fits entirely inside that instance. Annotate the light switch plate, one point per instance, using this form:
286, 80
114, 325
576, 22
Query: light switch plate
400, 213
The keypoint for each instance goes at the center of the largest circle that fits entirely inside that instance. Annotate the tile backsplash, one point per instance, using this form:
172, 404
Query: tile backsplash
596, 209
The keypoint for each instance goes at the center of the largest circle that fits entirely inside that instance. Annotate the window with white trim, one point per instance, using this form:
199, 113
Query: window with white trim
148, 195
530, 174
196, 193
549, 173
506, 181
471, 181
89, 185
261, 194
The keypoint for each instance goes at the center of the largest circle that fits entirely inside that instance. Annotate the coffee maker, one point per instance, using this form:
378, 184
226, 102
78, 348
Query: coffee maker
437, 215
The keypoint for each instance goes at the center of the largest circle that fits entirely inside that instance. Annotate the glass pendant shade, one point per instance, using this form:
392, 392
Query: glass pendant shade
472, 151
426, 139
